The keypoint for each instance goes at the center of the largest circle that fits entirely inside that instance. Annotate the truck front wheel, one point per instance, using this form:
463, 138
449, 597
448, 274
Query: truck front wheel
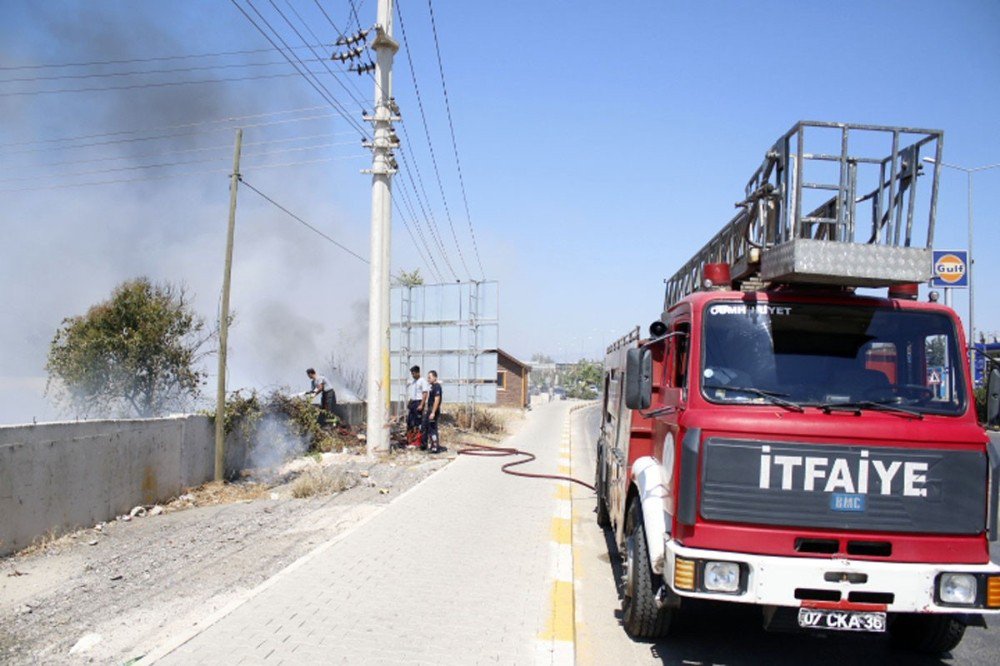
930, 634
640, 615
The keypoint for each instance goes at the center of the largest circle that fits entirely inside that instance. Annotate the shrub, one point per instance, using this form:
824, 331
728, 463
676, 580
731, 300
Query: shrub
483, 420
245, 414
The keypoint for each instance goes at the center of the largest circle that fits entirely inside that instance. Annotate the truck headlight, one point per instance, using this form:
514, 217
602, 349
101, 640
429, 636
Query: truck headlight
957, 588
721, 576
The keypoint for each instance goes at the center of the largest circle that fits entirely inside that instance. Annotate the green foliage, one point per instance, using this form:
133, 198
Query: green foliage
980, 394
242, 414
409, 279
304, 420
583, 380
135, 354
935, 349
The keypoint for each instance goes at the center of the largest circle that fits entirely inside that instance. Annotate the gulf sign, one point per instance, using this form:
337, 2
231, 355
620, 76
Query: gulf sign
950, 268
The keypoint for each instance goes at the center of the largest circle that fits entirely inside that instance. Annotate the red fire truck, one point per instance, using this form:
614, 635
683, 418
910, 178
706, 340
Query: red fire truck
792, 435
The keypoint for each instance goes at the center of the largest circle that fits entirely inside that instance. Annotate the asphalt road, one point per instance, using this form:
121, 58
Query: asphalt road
710, 633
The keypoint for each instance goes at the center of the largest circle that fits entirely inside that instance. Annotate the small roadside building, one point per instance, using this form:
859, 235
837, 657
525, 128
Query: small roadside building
512, 381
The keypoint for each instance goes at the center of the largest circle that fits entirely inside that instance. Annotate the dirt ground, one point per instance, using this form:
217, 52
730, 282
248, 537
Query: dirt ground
108, 594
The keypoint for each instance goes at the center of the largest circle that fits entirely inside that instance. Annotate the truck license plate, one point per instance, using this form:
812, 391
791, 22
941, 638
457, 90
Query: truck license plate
841, 620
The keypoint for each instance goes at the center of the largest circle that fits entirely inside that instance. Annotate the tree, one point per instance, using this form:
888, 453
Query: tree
583, 380
411, 279
135, 354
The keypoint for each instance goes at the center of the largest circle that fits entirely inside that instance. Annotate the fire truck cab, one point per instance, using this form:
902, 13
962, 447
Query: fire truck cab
790, 435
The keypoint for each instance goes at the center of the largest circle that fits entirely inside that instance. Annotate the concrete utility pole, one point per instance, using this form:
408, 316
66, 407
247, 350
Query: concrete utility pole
220, 396
383, 166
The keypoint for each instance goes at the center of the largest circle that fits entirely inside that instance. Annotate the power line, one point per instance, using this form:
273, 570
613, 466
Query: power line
454, 142
135, 86
330, 20
321, 59
426, 246
169, 135
164, 165
428, 214
423, 257
354, 14
340, 33
144, 72
129, 61
294, 55
177, 174
228, 120
430, 146
416, 224
317, 85
304, 223
112, 158
432, 265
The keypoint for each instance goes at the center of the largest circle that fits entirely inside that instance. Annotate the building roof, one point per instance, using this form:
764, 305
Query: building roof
511, 358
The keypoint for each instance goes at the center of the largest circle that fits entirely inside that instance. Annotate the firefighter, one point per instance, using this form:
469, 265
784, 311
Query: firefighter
321, 386
433, 411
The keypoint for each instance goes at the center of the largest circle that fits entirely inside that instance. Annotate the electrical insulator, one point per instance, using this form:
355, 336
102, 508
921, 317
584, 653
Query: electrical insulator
353, 39
344, 56
362, 69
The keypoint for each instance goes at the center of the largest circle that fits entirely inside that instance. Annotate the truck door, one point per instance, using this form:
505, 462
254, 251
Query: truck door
618, 428
674, 392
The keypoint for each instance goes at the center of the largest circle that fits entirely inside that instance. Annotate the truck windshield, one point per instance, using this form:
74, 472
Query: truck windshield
831, 355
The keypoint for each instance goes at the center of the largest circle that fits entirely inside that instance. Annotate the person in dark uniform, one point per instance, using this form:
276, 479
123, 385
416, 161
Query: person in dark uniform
432, 413
321, 384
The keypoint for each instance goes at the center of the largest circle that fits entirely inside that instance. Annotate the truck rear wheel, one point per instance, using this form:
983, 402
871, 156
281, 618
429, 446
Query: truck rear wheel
930, 634
640, 615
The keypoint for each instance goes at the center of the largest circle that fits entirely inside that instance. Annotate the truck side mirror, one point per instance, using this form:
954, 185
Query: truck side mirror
638, 378
993, 398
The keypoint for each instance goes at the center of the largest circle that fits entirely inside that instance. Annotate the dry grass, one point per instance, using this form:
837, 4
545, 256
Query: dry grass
322, 481
43, 542
220, 492
484, 420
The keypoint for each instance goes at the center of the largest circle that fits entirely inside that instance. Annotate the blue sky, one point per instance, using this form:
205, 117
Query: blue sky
601, 144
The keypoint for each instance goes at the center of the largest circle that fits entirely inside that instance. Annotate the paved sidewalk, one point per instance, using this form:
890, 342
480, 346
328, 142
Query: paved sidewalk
457, 570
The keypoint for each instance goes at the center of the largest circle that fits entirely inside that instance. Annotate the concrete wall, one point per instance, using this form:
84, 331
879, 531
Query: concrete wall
351, 413
62, 476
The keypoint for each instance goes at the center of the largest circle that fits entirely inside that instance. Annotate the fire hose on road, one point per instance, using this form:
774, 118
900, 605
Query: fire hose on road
486, 451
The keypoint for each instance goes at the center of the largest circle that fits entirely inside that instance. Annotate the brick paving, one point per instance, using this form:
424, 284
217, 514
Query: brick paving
457, 571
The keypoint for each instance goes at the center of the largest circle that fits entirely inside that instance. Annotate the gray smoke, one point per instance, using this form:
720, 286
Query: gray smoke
273, 444
66, 249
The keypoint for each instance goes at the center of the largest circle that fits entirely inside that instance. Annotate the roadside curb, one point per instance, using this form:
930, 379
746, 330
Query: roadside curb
557, 643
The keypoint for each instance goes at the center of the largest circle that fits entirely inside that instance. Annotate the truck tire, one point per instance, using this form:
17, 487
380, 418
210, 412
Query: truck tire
640, 616
603, 517
929, 634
